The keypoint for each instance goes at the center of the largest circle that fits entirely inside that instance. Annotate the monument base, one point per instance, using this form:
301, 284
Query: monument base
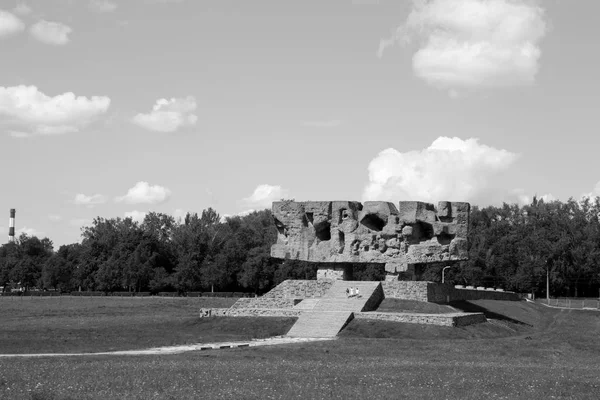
337, 272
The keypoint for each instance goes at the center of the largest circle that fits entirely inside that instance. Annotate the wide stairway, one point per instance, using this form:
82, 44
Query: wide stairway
333, 311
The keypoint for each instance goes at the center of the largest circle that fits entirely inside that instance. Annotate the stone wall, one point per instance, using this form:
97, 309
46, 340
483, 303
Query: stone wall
427, 319
249, 312
300, 289
406, 290
265, 302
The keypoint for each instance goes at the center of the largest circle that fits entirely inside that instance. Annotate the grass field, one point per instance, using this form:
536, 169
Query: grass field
549, 353
93, 324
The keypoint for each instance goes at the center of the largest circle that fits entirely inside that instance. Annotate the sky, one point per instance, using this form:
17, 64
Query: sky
115, 108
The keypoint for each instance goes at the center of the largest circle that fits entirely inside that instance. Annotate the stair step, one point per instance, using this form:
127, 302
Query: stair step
307, 304
319, 324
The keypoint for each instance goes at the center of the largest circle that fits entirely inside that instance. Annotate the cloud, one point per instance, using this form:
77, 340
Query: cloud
22, 9
179, 215
322, 124
224, 217
264, 195
35, 113
10, 24
89, 201
80, 222
54, 218
102, 6
137, 216
143, 193
29, 232
169, 115
593, 194
54, 33
468, 44
449, 169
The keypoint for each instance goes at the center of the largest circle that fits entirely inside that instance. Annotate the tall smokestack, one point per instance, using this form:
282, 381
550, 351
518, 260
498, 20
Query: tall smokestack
11, 226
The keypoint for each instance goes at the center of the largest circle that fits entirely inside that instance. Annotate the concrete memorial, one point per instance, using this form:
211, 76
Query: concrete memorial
335, 233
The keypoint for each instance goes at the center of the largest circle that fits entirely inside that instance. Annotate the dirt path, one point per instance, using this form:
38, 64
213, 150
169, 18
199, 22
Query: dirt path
178, 349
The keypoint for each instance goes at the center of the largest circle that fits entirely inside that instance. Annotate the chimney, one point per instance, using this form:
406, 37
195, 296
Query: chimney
11, 226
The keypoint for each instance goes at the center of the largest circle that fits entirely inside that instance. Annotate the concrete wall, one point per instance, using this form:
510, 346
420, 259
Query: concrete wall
428, 319
473, 294
375, 299
439, 293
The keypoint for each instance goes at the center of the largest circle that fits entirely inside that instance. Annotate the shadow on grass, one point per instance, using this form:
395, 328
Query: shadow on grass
467, 306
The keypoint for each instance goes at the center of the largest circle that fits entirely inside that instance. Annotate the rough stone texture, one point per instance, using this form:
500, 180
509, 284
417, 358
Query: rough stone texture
458, 319
300, 289
265, 302
334, 272
249, 312
406, 290
373, 232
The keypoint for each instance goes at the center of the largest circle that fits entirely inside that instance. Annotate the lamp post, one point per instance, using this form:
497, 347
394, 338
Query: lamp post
547, 283
444, 270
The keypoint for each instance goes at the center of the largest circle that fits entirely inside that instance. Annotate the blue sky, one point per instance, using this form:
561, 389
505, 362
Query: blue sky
115, 108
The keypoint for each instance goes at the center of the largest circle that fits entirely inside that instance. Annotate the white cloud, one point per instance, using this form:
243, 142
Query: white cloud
593, 194
29, 232
80, 222
22, 9
179, 215
38, 114
137, 216
169, 115
144, 193
449, 169
48, 32
264, 195
102, 6
323, 124
240, 214
54, 218
467, 44
89, 201
10, 24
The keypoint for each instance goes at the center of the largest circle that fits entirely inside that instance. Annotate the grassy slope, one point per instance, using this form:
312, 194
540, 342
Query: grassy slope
558, 358
507, 318
75, 324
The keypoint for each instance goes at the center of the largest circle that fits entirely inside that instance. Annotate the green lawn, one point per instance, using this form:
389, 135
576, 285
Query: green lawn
93, 324
555, 354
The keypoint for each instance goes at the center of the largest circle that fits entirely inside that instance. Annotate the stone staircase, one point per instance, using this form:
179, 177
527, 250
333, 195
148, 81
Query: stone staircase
333, 311
306, 304
320, 324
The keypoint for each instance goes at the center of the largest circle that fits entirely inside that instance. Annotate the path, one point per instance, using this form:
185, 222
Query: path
179, 349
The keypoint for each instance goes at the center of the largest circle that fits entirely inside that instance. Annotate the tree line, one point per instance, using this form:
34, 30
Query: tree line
511, 246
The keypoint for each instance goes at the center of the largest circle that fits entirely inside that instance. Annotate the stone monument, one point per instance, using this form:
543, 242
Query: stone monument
337, 233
